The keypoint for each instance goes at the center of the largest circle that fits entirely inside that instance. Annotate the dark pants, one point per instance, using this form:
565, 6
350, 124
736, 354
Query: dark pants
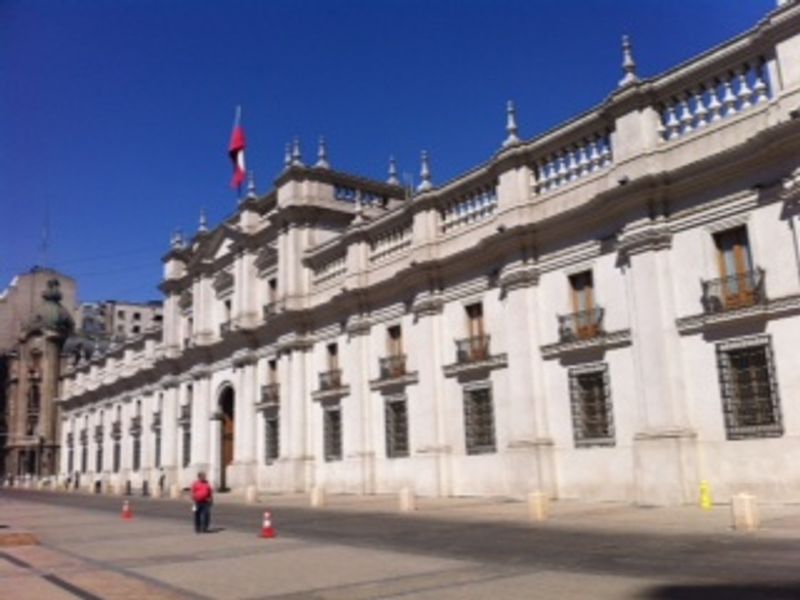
202, 516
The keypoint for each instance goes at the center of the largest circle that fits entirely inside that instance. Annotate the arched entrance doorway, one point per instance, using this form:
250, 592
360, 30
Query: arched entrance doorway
226, 403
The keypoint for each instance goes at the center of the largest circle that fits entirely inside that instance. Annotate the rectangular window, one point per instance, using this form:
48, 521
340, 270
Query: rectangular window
157, 449
137, 452
98, 458
187, 446
271, 438
272, 371
333, 356
585, 324
332, 426
735, 265
590, 392
70, 460
84, 457
749, 388
396, 416
475, 320
394, 338
117, 456
272, 290
479, 420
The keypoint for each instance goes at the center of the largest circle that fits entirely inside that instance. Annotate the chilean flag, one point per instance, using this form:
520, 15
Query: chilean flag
236, 151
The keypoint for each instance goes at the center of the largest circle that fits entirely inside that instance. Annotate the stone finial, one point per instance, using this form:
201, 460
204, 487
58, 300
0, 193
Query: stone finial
297, 158
511, 125
322, 155
392, 180
628, 64
359, 208
176, 241
202, 225
425, 174
287, 157
251, 185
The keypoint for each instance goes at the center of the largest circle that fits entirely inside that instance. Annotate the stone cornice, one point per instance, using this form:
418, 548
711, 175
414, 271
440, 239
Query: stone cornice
331, 394
518, 276
650, 238
772, 309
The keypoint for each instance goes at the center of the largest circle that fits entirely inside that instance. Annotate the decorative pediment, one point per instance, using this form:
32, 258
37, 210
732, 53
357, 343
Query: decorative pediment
217, 245
223, 281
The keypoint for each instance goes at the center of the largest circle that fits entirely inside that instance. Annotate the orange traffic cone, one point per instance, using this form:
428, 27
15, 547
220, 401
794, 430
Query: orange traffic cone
127, 511
266, 526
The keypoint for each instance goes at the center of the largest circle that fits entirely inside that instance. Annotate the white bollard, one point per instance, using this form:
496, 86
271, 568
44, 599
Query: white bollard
174, 491
744, 512
538, 506
407, 499
317, 496
250, 494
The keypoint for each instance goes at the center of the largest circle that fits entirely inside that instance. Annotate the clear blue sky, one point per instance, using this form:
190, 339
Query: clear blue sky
115, 115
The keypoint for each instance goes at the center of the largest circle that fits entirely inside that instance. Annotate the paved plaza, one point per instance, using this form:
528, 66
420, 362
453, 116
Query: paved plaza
359, 548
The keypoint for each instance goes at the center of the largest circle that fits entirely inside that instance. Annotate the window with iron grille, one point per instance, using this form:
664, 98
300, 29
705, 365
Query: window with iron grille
137, 452
70, 460
186, 446
479, 420
749, 388
396, 417
98, 458
157, 449
332, 426
117, 455
592, 417
271, 438
84, 458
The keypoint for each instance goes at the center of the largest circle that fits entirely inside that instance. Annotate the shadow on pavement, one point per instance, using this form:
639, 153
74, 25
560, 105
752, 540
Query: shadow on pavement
742, 591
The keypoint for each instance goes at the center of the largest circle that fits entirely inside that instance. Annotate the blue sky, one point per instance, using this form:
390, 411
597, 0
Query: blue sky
115, 115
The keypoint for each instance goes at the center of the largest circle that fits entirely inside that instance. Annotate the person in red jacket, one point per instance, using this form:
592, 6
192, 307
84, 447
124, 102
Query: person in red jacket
202, 496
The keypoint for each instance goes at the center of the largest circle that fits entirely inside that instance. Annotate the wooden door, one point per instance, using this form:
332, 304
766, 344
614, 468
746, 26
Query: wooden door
583, 304
735, 267
227, 433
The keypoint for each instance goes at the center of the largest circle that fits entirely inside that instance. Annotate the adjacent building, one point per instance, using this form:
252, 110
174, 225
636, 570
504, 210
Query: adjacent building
36, 318
118, 320
610, 310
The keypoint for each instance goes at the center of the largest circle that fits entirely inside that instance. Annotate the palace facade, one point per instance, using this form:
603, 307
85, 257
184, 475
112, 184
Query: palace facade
610, 310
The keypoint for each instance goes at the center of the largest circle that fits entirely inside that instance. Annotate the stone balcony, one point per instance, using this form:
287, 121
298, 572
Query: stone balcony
393, 373
734, 292
473, 355
330, 386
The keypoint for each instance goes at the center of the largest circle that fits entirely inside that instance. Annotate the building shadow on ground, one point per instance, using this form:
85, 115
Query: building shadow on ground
732, 591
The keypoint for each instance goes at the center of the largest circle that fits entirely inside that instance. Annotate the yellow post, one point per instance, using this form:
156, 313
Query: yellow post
705, 495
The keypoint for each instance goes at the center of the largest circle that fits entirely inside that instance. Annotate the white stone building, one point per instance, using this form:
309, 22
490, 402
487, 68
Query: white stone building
610, 310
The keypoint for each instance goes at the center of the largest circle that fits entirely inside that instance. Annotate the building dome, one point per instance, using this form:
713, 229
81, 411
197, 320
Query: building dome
51, 315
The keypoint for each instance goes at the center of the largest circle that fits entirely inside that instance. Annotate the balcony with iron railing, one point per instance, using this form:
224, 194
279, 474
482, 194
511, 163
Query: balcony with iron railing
98, 433
472, 349
473, 353
185, 415
393, 372
270, 394
269, 310
156, 424
116, 430
741, 290
331, 385
136, 425
581, 325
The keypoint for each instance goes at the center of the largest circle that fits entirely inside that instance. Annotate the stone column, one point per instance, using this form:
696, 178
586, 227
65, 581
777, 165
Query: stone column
357, 429
530, 447
170, 432
205, 454
665, 449
295, 419
426, 408
244, 457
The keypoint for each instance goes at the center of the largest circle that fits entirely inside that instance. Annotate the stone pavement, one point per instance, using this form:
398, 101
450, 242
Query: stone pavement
94, 554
